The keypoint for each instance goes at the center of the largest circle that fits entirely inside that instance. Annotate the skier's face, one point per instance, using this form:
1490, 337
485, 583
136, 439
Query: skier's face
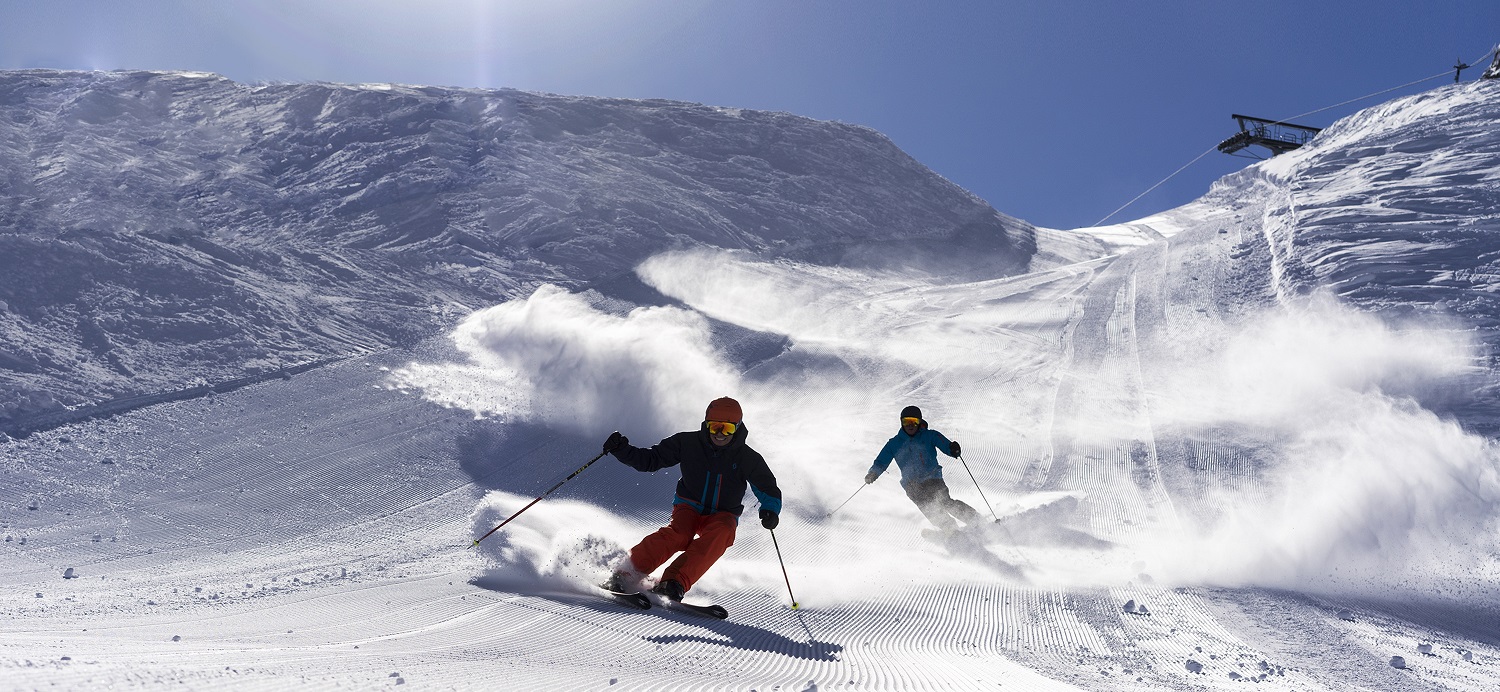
909, 425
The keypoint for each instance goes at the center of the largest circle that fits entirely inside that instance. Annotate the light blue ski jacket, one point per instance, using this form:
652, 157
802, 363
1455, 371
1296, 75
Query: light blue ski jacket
915, 455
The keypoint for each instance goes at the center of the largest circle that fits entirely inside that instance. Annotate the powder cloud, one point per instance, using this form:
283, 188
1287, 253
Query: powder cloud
1364, 488
552, 358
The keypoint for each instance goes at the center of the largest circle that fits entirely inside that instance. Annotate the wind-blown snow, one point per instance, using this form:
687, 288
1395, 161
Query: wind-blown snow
161, 227
1364, 489
1256, 444
560, 362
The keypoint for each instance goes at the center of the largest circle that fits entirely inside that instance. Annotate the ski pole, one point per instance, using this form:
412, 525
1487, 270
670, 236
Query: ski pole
845, 502
976, 487
539, 497
783, 569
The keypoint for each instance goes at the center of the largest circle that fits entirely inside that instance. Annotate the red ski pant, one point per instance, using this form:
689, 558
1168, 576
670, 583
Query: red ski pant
701, 539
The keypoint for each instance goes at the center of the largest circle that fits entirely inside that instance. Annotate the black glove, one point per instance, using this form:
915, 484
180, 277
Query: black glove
870, 477
769, 519
615, 441
954, 449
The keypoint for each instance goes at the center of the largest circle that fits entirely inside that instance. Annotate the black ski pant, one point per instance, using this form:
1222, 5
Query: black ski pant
936, 504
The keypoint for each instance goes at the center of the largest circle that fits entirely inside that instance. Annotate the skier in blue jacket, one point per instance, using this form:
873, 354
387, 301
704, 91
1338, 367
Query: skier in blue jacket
914, 450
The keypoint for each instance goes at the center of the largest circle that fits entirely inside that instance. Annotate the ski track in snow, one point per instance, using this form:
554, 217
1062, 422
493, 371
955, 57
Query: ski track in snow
327, 540
323, 538
315, 532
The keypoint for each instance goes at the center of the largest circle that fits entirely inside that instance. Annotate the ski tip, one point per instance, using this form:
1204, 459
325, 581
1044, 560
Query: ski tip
716, 611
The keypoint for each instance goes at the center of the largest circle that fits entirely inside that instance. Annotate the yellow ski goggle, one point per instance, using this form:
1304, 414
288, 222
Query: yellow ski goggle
911, 421
718, 427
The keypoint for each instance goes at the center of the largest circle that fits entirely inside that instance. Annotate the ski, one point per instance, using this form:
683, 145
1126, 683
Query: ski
640, 600
630, 598
713, 611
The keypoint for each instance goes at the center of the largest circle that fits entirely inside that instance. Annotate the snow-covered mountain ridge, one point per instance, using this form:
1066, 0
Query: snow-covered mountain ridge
1395, 210
1239, 451
158, 229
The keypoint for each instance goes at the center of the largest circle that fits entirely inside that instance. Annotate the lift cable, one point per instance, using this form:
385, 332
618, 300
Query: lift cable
1163, 181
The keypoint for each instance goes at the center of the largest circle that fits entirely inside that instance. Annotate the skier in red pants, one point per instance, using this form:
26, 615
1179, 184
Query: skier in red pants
716, 467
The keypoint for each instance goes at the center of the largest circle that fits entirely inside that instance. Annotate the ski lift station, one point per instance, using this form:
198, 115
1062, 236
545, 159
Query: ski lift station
1276, 136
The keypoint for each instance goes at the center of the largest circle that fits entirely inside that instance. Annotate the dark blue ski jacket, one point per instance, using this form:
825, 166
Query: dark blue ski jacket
713, 478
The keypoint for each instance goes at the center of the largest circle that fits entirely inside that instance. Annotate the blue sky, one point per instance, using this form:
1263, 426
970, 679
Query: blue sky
1055, 111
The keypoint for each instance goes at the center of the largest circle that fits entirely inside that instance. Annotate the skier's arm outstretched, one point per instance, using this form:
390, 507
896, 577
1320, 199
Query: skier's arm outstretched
659, 456
883, 459
942, 443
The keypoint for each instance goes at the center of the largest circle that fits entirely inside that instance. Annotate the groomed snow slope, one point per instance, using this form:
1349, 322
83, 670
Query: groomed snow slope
1280, 474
